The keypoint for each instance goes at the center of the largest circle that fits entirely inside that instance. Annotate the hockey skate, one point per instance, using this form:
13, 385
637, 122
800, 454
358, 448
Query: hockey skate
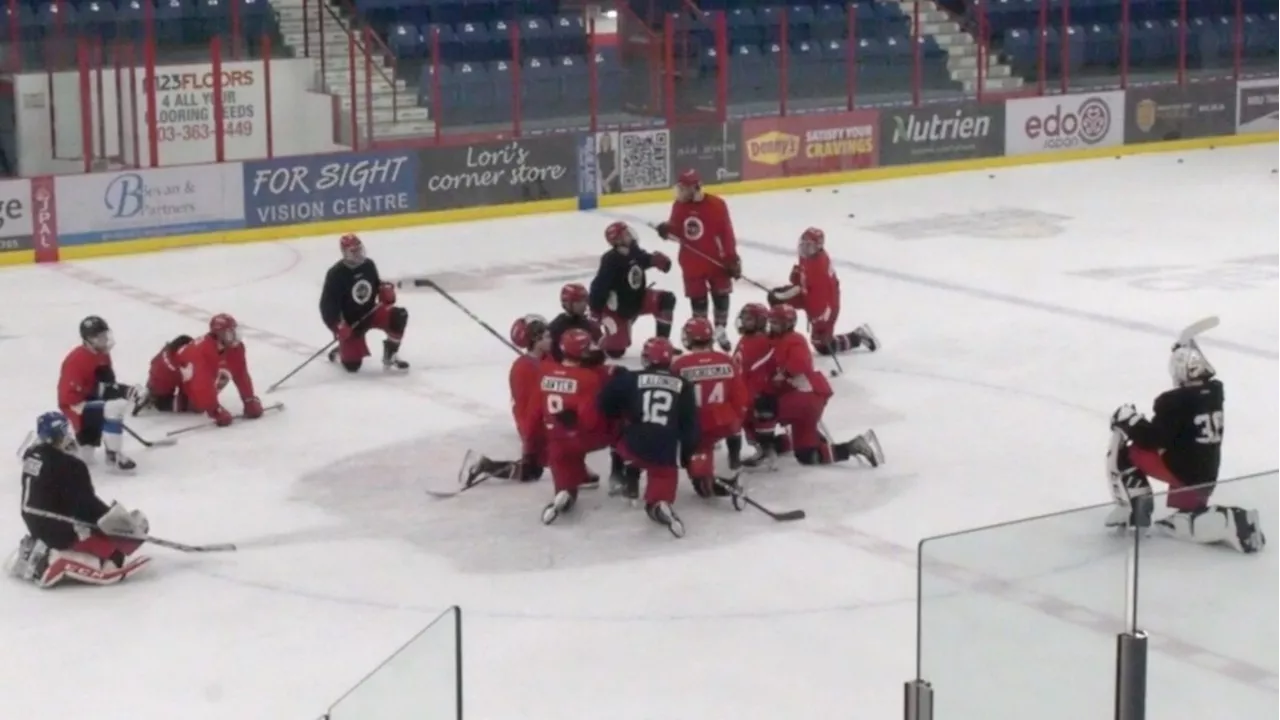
29, 561
866, 447
867, 338
722, 339
625, 484
119, 462
563, 502
765, 458
662, 513
391, 358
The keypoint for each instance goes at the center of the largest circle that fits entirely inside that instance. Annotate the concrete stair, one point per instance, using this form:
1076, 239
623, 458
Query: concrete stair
962, 50
395, 110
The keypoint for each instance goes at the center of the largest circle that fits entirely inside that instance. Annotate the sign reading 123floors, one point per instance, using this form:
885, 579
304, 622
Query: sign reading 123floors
185, 112
108, 207
320, 188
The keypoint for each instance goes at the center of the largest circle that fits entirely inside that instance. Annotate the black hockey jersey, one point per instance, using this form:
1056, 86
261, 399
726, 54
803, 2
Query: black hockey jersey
620, 284
349, 293
564, 322
1187, 426
58, 483
659, 410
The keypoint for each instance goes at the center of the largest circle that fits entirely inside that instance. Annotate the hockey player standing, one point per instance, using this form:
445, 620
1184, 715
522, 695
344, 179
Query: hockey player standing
815, 289
71, 532
1181, 445
619, 293
660, 428
708, 250
90, 397
355, 300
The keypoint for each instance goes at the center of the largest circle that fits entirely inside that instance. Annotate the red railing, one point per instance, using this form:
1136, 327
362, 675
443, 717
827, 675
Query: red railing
667, 70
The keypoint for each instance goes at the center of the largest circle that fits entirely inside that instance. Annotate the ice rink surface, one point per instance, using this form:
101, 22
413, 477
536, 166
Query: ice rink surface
1016, 310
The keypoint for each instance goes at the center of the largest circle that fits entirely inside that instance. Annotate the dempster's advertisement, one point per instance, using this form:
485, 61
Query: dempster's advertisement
810, 144
320, 188
108, 207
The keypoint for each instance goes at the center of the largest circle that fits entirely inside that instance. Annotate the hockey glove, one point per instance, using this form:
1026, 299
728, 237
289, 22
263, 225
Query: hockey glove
221, 417
387, 294
342, 332
1125, 417
252, 408
734, 266
661, 262
664, 230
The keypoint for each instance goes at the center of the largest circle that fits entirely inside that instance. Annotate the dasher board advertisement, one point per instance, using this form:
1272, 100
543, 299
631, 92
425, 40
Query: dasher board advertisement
810, 144
320, 188
1064, 122
107, 207
1256, 106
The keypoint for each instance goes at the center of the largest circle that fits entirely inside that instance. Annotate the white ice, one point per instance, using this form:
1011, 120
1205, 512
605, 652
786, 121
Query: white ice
1004, 353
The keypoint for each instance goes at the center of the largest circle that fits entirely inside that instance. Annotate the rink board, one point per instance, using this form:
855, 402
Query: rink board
387, 222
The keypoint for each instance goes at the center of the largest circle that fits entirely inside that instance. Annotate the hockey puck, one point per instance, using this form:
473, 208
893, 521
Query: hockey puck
835, 373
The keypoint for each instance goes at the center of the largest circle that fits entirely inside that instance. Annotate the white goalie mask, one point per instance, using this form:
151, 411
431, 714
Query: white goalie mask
1188, 365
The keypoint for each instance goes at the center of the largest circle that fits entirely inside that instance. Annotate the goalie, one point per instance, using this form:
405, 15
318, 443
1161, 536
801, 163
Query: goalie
1181, 445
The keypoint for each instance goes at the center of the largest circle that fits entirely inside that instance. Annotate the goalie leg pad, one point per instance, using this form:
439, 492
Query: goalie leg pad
1232, 526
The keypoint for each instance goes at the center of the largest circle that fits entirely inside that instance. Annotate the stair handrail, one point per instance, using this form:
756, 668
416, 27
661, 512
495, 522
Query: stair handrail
388, 57
642, 22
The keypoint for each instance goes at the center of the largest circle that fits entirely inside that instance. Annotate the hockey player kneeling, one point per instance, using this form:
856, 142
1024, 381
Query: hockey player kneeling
1180, 445
71, 532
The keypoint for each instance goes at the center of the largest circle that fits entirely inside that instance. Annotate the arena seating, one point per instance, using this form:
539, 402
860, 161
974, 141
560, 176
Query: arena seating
1094, 27
476, 65
182, 27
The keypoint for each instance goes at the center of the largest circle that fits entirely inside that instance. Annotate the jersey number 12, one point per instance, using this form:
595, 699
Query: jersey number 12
655, 406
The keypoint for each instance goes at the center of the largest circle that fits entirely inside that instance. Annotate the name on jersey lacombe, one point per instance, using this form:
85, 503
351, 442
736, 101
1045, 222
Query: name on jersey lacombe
302, 192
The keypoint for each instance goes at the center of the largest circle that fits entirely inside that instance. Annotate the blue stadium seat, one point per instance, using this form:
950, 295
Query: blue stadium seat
535, 37
406, 41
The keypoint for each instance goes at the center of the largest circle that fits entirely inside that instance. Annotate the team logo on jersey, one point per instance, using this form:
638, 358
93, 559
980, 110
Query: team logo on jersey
635, 277
362, 291
693, 228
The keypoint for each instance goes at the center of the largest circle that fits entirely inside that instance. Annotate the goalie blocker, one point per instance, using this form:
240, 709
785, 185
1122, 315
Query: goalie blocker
1180, 445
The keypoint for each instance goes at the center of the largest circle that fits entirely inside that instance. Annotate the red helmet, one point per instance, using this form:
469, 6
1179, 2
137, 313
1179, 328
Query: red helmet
753, 318
812, 242
572, 294
657, 352
697, 332
576, 344
528, 330
224, 329
782, 318
620, 233
352, 249
688, 186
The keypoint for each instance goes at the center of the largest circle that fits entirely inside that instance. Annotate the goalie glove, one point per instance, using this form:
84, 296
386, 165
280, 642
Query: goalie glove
1125, 417
120, 522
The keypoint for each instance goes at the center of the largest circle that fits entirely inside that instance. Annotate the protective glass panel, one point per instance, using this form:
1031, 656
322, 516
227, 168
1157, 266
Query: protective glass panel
1020, 620
421, 680
1211, 615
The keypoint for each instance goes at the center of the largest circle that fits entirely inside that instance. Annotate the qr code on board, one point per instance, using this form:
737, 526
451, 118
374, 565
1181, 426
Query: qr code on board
646, 160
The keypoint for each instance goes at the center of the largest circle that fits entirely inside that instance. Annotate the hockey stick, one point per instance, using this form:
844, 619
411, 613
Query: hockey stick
211, 423
428, 282
462, 485
181, 547
318, 353
708, 258
1188, 335
162, 442
740, 495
